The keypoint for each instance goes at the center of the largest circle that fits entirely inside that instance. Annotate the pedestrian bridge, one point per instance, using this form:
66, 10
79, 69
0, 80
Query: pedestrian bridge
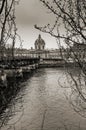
24, 60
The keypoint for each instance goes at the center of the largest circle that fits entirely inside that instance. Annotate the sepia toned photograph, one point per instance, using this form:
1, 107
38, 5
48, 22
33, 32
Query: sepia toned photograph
42, 64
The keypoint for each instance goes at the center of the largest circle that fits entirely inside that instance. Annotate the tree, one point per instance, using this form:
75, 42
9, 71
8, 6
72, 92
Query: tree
8, 34
69, 28
8, 29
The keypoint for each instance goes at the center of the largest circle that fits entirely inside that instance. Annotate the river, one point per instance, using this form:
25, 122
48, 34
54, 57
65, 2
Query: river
41, 104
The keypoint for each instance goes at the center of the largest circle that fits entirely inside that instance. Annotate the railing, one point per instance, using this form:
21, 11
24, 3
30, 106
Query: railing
17, 58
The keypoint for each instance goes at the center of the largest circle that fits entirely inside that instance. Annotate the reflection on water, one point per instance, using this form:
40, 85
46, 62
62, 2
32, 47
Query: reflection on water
42, 105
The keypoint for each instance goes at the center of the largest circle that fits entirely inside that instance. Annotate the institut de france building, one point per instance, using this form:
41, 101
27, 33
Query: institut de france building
39, 50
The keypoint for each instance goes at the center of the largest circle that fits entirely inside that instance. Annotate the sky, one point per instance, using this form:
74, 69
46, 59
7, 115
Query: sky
29, 13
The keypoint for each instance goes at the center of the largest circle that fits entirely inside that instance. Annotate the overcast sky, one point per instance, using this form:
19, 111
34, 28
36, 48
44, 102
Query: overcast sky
29, 13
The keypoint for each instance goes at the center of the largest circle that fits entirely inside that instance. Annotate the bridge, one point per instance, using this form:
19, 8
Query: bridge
18, 61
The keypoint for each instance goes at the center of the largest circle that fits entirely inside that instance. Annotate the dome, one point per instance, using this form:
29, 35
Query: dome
39, 43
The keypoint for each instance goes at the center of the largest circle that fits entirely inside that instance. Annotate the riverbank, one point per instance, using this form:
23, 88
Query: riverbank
10, 80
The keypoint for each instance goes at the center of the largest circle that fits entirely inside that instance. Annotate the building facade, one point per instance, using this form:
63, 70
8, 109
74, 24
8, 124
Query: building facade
39, 51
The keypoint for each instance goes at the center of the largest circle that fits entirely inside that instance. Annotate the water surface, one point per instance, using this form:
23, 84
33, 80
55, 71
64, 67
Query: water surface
41, 104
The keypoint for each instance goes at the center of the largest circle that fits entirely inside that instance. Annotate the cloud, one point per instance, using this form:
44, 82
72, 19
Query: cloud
29, 13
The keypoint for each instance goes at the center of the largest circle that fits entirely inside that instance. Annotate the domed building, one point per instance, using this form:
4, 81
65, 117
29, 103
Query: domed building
39, 51
39, 43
